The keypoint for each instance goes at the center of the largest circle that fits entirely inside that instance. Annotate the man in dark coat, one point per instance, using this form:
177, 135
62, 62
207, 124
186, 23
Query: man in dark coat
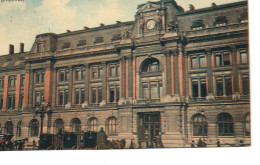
101, 137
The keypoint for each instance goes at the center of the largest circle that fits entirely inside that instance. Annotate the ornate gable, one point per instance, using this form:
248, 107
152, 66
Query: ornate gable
150, 6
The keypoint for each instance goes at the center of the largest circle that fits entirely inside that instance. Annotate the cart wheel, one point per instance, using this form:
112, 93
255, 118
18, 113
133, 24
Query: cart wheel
80, 147
58, 148
50, 148
99, 147
74, 147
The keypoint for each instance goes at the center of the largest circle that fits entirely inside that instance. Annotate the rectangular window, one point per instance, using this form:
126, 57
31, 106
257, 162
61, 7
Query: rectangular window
22, 80
222, 59
66, 97
21, 101
99, 94
112, 71
77, 97
194, 63
228, 83
12, 81
60, 100
117, 94
11, 101
95, 73
82, 96
244, 57
220, 91
245, 85
1, 83
80, 74
145, 91
39, 77
226, 58
62, 76
195, 89
1, 102
218, 60
202, 62
154, 91
111, 95
161, 89
94, 95
203, 89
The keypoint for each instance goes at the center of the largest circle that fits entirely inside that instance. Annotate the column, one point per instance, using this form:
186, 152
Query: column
187, 88
236, 95
31, 84
48, 85
176, 74
54, 92
168, 73
104, 85
86, 102
68, 106
181, 71
26, 89
210, 95
122, 81
5, 93
17, 91
130, 78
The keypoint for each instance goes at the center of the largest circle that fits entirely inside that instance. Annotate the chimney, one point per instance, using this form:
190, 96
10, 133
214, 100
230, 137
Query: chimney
21, 47
118, 22
102, 25
85, 27
11, 49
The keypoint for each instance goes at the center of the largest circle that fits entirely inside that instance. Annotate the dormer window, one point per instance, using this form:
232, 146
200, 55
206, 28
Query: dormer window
82, 43
99, 40
197, 25
66, 45
243, 18
39, 47
221, 21
116, 37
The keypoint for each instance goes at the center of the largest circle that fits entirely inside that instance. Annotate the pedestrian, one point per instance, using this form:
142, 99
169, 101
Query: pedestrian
218, 143
192, 144
200, 143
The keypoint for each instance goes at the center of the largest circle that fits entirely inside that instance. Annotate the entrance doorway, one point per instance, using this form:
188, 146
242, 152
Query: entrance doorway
149, 130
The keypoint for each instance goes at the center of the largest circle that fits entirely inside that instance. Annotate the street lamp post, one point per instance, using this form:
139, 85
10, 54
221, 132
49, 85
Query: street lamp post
42, 109
202, 121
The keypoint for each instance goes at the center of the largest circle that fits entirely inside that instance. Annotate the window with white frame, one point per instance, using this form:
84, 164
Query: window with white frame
111, 126
80, 73
97, 72
63, 75
199, 88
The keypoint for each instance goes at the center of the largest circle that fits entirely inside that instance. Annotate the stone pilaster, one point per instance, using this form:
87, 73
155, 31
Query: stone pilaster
68, 106
130, 78
176, 96
86, 102
236, 94
210, 95
104, 85
54, 92
122, 99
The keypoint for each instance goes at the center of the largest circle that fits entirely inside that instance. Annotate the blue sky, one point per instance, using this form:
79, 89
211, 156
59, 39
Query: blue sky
22, 21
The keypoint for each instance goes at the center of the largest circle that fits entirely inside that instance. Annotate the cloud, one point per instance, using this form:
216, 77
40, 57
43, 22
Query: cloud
6, 7
57, 14
107, 12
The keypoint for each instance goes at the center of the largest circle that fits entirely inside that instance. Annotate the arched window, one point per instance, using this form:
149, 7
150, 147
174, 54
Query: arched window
93, 124
150, 65
9, 127
34, 128
200, 127
247, 125
111, 126
225, 124
75, 125
19, 129
58, 126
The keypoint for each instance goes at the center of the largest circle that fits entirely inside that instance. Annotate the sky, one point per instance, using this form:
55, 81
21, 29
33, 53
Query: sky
21, 21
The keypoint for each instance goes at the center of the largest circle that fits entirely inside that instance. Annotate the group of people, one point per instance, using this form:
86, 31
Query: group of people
200, 143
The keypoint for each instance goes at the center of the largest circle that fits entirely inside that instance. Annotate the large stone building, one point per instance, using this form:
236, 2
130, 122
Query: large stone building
174, 74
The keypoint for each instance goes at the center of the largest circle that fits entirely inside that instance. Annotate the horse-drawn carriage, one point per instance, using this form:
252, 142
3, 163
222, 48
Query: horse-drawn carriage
6, 143
84, 140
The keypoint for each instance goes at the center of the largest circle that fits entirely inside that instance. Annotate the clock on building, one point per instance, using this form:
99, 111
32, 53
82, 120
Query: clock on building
150, 24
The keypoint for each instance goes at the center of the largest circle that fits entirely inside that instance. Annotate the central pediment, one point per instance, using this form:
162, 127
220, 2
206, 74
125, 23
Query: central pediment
149, 6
